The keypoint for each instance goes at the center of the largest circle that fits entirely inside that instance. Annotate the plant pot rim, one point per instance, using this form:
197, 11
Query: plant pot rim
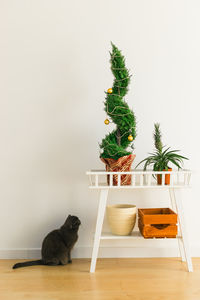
121, 206
169, 169
119, 157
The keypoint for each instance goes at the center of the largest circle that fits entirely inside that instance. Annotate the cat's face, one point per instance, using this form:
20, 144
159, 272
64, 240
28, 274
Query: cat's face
72, 222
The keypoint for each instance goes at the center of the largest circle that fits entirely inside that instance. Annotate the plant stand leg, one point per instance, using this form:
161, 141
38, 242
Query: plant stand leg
180, 244
183, 231
99, 224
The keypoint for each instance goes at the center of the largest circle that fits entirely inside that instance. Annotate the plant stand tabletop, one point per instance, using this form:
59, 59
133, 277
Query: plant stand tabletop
140, 180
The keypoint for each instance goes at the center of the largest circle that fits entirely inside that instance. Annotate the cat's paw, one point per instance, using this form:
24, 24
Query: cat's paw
69, 261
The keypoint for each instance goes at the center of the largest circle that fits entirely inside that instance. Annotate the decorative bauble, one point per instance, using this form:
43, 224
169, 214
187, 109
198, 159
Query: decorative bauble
109, 91
106, 121
130, 138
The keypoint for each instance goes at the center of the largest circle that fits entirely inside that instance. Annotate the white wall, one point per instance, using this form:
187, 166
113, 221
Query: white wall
54, 62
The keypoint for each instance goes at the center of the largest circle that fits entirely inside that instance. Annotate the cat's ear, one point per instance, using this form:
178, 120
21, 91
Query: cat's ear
67, 220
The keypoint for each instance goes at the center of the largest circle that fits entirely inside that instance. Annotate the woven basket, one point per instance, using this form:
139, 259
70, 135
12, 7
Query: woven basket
121, 218
123, 164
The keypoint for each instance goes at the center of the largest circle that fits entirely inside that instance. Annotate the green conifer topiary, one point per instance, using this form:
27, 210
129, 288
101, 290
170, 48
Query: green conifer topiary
115, 144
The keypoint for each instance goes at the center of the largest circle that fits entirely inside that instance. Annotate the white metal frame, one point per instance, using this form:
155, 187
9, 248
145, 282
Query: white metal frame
139, 180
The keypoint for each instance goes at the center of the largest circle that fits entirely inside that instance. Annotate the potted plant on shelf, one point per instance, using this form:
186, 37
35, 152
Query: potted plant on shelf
114, 146
161, 158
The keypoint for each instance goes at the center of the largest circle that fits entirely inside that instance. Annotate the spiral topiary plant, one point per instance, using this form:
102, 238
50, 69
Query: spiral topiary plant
115, 144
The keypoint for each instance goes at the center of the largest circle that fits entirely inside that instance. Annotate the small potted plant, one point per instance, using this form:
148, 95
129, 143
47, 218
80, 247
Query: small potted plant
162, 156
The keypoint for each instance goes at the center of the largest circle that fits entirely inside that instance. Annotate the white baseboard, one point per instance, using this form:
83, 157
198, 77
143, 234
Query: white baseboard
86, 252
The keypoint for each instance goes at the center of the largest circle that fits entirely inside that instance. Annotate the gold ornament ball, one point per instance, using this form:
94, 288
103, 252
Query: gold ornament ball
130, 138
106, 121
109, 91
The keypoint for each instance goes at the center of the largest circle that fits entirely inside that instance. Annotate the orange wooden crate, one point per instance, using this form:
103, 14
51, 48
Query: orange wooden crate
157, 222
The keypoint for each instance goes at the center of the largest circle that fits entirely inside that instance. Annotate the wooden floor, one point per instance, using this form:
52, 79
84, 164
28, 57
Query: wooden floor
137, 279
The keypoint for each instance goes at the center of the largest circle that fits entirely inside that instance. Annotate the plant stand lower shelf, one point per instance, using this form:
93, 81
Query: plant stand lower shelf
140, 180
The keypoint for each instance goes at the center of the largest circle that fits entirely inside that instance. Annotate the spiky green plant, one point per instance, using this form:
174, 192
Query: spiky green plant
115, 144
157, 137
161, 158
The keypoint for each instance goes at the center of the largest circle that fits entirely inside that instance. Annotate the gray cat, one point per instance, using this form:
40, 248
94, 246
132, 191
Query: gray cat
57, 245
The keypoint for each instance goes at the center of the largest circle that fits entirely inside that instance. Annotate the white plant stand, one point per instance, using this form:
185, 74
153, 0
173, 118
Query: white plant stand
140, 180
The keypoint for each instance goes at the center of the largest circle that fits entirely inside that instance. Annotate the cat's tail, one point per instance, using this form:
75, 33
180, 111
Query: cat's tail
29, 263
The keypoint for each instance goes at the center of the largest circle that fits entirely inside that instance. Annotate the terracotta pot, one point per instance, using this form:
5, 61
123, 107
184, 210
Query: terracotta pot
167, 177
123, 164
121, 218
